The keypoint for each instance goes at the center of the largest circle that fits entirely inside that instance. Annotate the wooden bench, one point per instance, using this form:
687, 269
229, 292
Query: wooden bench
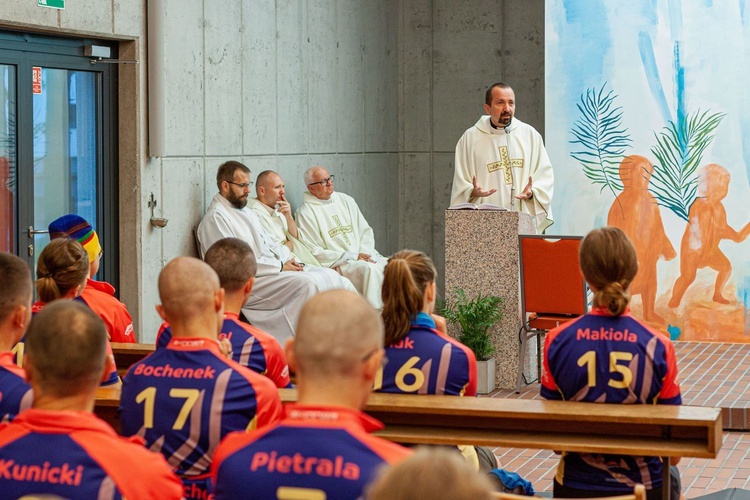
126, 355
654, 430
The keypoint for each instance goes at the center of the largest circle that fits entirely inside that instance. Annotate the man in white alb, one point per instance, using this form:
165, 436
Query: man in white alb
282, 285
275, 213
502, 161
336, 232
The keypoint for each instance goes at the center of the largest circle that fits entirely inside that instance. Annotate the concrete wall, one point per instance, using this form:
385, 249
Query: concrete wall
378, 91
449, 53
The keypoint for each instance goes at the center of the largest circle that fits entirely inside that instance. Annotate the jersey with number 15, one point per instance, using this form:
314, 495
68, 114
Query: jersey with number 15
184, 399
427, 361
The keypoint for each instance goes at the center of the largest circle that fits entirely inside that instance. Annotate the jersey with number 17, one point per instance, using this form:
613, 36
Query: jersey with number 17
184, 399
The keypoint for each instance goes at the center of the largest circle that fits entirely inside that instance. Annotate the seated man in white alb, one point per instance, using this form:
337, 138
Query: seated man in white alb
338, 235
282, 285
275, 213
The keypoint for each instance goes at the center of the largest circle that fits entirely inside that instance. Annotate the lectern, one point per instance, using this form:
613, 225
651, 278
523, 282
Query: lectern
481, 256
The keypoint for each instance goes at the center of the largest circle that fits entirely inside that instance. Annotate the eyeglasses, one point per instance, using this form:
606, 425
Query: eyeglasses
244, 185
324, 182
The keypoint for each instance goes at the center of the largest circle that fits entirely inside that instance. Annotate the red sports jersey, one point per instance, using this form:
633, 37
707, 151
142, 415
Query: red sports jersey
251, 347
100, 297
15, 393
184, 398
315, 452
110, 373
601, 358
427, 361
73, 454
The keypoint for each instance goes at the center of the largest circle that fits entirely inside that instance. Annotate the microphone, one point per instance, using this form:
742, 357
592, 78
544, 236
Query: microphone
507, 127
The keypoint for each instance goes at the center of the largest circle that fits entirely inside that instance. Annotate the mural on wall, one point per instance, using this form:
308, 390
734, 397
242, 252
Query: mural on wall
648, 129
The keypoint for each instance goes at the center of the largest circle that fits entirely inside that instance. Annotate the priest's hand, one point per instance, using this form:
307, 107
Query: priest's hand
526, 193
283, 207
366, 257
292, 265
478, 192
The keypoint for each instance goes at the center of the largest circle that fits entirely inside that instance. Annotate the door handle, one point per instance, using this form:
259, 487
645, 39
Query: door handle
31, 231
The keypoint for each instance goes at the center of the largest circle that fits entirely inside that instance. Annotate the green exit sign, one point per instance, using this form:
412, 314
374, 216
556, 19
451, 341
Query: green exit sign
54, 4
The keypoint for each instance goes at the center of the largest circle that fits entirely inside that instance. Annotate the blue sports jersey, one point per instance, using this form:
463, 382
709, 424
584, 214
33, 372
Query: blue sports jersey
15, 393
251, 347
427, 361
315, 452
599, 358
73, 454
185, 398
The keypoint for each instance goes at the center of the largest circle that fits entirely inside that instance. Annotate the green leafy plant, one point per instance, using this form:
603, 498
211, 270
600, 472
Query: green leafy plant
601, 138
679, 150
474, 317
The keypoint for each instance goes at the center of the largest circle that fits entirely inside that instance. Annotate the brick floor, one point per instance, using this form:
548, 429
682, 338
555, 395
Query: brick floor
711, 374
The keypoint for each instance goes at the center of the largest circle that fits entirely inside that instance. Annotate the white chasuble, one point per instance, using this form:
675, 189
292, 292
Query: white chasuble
277, 229
504, 159
336, 232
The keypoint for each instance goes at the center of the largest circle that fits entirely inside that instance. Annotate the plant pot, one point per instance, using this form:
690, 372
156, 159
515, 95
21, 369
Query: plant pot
486, 376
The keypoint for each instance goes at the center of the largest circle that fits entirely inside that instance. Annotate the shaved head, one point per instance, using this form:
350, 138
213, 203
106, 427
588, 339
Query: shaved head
16, 290
187, 287
264, 178
336, 332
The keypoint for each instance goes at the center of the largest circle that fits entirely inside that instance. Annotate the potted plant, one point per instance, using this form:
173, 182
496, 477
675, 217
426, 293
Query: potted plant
473, 318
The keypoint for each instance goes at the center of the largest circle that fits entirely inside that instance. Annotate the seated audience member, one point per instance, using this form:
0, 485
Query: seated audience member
275, 213
322, 446
430, 474
282, 285
333, 227
234, 262
61, 272
15, 313
98, 295
608, 356
416, 342
184, 398
59, 447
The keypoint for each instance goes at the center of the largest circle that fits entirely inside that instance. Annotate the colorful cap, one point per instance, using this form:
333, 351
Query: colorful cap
75, 227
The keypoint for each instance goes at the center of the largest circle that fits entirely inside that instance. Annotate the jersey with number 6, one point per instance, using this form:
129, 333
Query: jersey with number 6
427, 361
599, 358
185, 398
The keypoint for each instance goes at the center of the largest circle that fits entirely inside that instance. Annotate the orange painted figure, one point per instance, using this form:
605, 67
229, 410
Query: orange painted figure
635, 212
707, 226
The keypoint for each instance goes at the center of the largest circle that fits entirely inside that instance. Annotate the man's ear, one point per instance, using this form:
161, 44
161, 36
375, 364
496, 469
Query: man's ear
487, 109
160, 311
28, 367
219, 300
248, 288
373, 364
291, 358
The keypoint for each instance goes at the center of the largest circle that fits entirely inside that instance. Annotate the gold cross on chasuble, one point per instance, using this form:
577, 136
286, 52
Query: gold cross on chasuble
339, 229
505, 164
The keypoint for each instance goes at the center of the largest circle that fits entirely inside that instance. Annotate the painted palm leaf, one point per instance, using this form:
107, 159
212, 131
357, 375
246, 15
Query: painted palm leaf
600, 137
679, 150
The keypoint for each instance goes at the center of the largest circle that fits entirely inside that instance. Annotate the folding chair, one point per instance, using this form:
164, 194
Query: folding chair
552, 289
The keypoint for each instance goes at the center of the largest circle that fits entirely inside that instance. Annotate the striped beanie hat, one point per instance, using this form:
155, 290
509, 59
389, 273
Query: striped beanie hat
75, 227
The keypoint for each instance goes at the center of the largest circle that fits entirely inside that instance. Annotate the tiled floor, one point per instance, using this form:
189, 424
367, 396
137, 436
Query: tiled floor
710, 374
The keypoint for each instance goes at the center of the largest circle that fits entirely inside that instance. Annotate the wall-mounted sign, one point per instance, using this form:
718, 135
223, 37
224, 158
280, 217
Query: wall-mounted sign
36, 79
54, 4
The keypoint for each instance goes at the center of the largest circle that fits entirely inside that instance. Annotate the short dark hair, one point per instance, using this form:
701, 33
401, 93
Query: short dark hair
234, 262
488, 94
226, 171
67, 346
15, 276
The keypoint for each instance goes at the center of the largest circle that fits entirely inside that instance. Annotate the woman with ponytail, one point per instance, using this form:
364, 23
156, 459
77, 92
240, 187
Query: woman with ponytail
422, 359
61, 271
608, 356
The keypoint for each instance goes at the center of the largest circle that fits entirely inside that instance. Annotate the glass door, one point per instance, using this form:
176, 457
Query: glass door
8, 162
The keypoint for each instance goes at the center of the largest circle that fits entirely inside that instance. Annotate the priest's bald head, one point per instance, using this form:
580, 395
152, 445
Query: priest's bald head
319, 182
233, 181
270, 188
337, 350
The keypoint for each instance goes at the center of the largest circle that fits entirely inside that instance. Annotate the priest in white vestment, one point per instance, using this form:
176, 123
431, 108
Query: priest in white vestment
336, 232
275, 213
282, 285
502, 161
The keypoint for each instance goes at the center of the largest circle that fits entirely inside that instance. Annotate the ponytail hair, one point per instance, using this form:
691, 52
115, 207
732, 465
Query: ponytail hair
63, 265
609, 264
406, 278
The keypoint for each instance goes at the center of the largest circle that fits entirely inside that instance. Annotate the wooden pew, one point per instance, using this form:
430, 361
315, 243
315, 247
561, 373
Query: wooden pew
653, 430
126, 355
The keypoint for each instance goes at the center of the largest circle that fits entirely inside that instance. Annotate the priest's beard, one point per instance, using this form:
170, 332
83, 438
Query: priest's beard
238, 202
